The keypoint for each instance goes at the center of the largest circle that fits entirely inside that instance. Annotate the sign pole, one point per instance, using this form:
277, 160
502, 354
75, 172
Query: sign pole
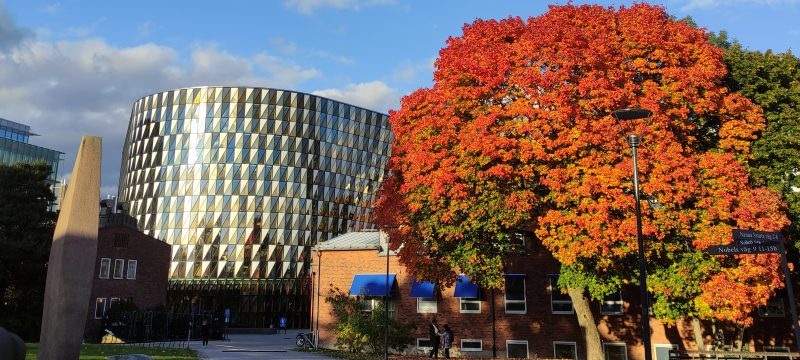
787, 280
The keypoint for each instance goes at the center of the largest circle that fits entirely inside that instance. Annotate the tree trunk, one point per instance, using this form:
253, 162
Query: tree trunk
698, 334
583, 311
739, 338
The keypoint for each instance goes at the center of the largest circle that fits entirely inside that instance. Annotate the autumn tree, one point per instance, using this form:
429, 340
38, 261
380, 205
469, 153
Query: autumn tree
516, 136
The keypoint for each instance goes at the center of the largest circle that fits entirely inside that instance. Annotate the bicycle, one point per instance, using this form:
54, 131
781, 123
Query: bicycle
305, 340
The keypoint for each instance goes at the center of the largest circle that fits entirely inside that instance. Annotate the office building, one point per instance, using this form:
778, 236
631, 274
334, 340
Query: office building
242, 182
15, 148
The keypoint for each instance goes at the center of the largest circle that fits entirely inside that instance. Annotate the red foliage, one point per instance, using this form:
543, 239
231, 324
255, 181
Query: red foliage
516, 135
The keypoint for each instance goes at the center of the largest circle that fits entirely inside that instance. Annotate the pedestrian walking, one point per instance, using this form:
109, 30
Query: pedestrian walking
204, 331
433, 330
447, 340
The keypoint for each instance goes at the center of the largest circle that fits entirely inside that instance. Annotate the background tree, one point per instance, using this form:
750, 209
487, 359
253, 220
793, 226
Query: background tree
515, 136
26, 232
773, 82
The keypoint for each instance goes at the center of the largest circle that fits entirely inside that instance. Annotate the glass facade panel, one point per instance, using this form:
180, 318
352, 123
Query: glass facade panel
242, 182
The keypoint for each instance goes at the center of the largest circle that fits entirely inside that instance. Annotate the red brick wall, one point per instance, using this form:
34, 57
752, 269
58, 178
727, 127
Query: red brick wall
538, 326
148, 290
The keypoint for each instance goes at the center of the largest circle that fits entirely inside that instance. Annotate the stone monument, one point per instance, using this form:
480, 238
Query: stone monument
72, 258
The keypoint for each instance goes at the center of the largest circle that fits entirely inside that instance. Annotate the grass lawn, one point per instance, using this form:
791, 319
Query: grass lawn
101, 352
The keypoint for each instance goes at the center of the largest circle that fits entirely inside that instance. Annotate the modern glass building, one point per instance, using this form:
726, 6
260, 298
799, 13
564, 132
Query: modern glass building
14, 148
242, 182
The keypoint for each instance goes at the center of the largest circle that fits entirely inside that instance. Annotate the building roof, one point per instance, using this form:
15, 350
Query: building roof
356, 240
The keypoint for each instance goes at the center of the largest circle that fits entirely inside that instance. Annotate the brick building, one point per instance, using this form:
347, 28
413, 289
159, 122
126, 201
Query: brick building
530, 319
129, 266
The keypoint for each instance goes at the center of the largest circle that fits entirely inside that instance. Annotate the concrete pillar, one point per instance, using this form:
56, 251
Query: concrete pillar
70, 271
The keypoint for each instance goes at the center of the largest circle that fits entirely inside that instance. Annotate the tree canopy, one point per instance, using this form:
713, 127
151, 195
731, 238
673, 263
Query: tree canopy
26, 232
516, 137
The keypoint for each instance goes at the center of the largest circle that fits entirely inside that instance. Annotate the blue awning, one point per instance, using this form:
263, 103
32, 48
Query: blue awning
516, 276
465, 288
422, 289
371, 284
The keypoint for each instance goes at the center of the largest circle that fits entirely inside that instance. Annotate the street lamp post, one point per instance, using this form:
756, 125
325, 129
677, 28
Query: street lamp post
634, 140
385, 245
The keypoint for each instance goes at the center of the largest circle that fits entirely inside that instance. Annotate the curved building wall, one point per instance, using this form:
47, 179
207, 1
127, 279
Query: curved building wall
242, 182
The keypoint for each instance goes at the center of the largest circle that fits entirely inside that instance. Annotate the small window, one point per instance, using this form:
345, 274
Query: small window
565, 350
559, 303
112, 301
132, 269
470, 305
612, 304
517, 349
100, 308
662, 350
615, 351
774, 308
777, 349
427, 305
105, 268
424, 344
515, 295
119, 265
471, 345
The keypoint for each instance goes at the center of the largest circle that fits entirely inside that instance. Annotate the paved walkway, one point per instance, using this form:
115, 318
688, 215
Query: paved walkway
256, 346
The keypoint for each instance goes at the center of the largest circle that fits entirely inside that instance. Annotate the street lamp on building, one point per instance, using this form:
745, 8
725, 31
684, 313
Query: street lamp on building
634, 140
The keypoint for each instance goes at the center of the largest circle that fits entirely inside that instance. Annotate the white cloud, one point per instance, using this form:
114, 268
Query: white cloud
704, 4
65, 89
309, 6
145, 29
409, 72
290, 48
52, 8
374, 95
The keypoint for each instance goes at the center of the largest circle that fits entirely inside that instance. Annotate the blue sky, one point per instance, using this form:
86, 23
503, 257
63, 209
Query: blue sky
69, 68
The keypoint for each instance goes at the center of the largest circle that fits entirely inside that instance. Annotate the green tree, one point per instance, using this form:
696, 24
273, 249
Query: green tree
773, 82
357, 330
26, 232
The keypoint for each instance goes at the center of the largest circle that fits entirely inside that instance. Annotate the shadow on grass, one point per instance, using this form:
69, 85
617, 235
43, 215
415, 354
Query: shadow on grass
103, 351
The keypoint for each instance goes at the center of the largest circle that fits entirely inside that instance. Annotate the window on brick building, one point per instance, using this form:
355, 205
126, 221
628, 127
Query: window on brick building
612, 304
515, 294
132, 269
565, 350
370, 304
427, 305
560, 303
517, 349
99, 308
105, 268
777, 349
471, 345
615, 351
662, 351
119, 265
424, 344
774, 308
470, 305
112, 302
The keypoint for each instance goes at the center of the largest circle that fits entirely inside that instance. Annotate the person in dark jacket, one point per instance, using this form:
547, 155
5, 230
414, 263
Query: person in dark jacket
433, 330
204, 331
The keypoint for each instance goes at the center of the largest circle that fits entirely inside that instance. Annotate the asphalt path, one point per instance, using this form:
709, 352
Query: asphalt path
255, 346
